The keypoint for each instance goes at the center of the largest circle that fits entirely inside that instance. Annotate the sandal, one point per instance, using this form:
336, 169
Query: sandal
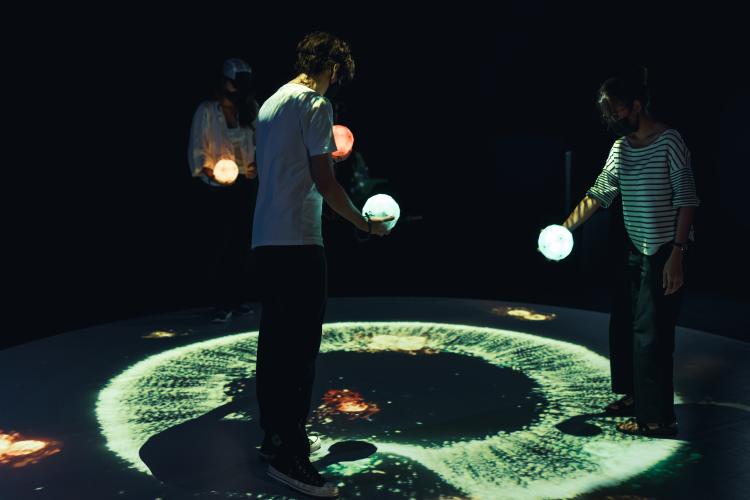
623, 406
633, 427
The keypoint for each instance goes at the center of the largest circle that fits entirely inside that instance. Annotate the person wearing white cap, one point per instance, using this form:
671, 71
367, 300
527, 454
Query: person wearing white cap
224, 129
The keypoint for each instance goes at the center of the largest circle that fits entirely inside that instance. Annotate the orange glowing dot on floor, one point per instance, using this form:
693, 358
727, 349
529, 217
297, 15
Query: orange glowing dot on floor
159, 334
522, 313
17, 452
344, 401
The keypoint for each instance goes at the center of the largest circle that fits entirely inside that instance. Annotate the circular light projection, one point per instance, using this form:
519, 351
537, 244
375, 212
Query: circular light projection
344, 142
555, 242
537, 461
382, 205
226, 171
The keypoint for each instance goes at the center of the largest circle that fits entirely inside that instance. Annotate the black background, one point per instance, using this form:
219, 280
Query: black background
467, 112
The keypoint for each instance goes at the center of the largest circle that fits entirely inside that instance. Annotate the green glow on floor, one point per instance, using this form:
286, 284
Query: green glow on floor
538, 461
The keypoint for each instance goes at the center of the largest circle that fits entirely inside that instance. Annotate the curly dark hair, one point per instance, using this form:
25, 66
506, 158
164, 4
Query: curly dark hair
319, 51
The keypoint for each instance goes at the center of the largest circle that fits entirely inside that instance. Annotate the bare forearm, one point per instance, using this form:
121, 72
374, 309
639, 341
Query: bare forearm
685, 218
585, 209
321, 169
339, 201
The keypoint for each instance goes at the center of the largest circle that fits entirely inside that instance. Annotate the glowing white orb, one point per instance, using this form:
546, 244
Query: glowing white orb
555, 242
382, 205
226, 171
344, 142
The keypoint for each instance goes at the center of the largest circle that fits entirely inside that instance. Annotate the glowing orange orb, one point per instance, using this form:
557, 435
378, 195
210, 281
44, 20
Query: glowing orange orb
344, 142
226, 171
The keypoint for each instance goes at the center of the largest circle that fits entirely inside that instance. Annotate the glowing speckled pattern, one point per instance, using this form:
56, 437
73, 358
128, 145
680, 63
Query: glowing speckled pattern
538, 461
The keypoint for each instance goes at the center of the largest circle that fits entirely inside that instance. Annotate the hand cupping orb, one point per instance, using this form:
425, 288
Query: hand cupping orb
382, 205
226, 171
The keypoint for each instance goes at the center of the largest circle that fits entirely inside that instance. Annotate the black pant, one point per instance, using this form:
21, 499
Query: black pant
229, 223
642, 335
293, 281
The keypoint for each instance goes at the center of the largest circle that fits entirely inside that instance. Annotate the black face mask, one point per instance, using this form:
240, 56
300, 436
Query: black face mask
242, 98
623, 126
244, 88
333, 90
233, 95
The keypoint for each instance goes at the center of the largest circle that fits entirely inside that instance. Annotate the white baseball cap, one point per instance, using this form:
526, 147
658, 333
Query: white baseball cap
234, 66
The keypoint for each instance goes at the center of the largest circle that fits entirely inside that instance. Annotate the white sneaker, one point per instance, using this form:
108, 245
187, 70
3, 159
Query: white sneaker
314, 446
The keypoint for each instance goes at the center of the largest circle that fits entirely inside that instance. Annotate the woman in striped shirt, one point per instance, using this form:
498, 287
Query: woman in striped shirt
649, 167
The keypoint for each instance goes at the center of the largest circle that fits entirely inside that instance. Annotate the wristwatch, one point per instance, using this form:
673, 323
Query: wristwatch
369, 223
682, 246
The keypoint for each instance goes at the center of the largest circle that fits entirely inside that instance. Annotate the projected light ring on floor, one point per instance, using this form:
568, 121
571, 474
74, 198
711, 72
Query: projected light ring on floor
181, 384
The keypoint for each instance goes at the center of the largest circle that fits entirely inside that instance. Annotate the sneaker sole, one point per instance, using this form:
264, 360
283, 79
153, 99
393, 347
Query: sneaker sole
315, 491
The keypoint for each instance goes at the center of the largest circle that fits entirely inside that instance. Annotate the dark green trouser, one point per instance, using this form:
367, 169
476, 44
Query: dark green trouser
642, 334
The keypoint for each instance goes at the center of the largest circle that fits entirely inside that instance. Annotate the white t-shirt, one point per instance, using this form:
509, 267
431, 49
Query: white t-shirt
294, 124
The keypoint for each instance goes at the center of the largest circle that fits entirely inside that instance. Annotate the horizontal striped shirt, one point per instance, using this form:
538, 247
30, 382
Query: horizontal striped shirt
654, 182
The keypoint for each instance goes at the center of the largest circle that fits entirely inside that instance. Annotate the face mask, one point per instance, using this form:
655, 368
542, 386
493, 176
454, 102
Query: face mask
244, 88
623, 126
244, 83
233, 95
333, 90
242, 99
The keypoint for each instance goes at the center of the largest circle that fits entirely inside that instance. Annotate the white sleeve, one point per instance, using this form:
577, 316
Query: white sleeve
199, 145
317, 127
681, 173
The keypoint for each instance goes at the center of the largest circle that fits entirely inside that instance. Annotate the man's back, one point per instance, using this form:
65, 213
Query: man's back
294, 124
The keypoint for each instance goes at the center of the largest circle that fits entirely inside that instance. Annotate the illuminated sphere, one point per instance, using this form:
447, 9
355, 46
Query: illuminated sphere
382, 205
555, 242
226, 171
344, 142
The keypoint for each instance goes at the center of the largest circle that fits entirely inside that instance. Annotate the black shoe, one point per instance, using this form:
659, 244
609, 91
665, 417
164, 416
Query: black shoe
268, 452
221, 315
297, 472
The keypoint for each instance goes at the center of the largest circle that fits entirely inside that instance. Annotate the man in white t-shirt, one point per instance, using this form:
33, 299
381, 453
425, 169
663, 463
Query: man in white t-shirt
294, 142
